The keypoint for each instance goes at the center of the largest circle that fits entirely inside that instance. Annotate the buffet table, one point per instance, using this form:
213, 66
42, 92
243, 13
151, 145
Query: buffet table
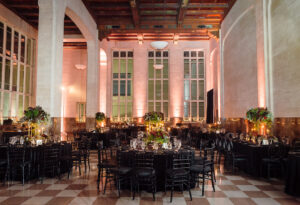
292, 184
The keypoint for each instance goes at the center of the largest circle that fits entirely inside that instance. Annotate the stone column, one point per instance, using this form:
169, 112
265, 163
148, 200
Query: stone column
92, 87
50, 57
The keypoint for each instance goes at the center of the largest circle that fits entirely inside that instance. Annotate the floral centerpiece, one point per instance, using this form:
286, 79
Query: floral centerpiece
260, 118
154, 120
36, 118
158, 136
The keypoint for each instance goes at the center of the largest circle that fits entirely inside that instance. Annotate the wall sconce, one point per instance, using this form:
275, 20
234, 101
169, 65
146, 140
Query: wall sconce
80, 66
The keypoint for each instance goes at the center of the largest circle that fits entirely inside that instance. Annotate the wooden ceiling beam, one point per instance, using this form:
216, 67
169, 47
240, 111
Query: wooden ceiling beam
135, 13
151, 5
90, 10
181, 11
157, 31
208, 5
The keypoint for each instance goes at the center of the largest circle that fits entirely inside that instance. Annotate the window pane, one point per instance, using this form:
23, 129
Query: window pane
6, 104
186, 54
115, 87
130, 54
0, 72
129, 109
194, 69
186, 107
166, 89
150, 69
200, 54
166, 110
13, 107
158, 107
166, 68
129, 67
1, 36
21, 79
27, 79
201, 109
122, 68
193, 54
186, 69
27, 103
129, 88
16, 46
158, 53
158, 90
150, 107
122, 109
20, 107
186, 90
15, 76
115, 68
8, 41
7, 75
151, 54
201, 68
194, 109
123, 54
194, 90
115, 110
150, 90
116, 54
22, 48
28, 58
158, 71
201, 89
122, 87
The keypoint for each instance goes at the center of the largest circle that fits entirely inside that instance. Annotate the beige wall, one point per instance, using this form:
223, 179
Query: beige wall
239, 60
285, 43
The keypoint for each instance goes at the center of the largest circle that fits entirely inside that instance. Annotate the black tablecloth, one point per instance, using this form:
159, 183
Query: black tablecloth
254, 154
95, 137
162, 162
7, 135
35, 154
292, 184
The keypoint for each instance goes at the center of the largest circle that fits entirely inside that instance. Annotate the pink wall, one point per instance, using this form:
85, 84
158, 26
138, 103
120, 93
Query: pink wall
74, 80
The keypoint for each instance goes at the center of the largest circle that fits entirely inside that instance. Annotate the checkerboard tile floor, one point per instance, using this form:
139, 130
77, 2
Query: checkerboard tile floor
231, 189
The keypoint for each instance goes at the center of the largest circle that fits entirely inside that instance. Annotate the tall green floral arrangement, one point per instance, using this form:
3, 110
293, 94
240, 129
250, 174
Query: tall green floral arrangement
154, 117
100, 116
258, 116
35, 115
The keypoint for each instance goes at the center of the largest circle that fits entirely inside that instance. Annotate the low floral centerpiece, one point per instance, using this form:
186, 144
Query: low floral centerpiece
260, 119
37, 120
159, 136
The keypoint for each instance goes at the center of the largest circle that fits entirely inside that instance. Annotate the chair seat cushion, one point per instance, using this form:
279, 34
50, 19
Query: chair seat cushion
143, 172
199, 168
121, 170
177, 172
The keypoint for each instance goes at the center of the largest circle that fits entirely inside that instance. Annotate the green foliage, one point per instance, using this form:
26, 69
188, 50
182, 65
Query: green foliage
154, 117
99, 116
35, 115
157, 136
259, 115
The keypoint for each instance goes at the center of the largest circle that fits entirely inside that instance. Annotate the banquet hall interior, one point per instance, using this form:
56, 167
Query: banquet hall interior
149, 102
